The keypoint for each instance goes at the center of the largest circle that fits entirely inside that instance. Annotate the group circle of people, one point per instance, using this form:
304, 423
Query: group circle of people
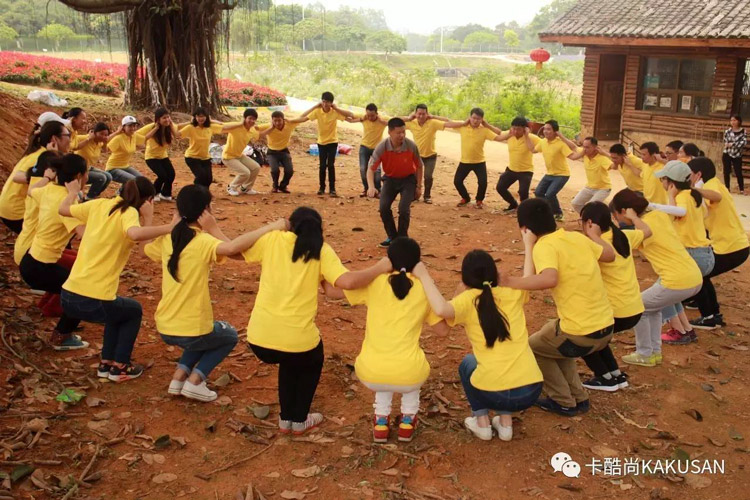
677, 214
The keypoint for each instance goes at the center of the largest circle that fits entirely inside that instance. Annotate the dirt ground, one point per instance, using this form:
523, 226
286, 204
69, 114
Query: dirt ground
693, 406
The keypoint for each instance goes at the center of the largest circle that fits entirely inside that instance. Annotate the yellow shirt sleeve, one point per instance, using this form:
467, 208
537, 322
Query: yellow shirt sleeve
131, 218
115, 143
545, 257
489, 135
70, 223
255, 252
187, 131
153, 249
331, 267
438, 125
211, 244
538, 146
216, 128
145, 129
565, 150
357, 297
80, 211
635, 238
314, 114
596, 249
462, 304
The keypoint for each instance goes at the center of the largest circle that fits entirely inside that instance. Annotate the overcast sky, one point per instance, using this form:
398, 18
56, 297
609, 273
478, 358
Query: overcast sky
423, 16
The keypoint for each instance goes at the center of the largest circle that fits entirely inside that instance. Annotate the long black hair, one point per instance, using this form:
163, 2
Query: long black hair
40, 137
404, 254
307, 224
693, 192
192, 201
44, 162
164, 135
201, 112
479, 271
598, 213
68, 167
692, 150
72, 113
627, 198
134, 194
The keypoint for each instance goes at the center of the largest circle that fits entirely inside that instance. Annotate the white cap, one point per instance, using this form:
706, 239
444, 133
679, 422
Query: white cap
129, 120
51, 116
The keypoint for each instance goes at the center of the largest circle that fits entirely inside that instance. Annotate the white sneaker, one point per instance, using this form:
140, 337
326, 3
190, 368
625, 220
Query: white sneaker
249, 191
200, 392
165, 198
504, 433
285, 426
175, 387
157, 197
483, 433
232, 192
313, 420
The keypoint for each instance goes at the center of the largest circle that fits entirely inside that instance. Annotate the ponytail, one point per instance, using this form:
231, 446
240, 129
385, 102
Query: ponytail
599, 213
308, 226
41, 136
192, 201
479, 271
693, 192
182, 234
134, 194
404, 253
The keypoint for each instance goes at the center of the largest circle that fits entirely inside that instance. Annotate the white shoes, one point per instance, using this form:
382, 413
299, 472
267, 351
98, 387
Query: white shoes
249, 191
175, 387
232, 192
483, 433
504, 433
313, 420
200, 392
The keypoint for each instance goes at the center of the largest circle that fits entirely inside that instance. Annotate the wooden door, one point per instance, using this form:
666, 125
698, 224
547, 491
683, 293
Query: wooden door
609, 96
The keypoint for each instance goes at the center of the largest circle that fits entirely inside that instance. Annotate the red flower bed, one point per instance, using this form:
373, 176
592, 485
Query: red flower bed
109, 79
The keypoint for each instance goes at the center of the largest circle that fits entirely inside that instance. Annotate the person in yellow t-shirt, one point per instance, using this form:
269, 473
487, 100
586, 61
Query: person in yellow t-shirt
53, 134
474, 132
327, 114
598, 185
373, 126
622, 287
159, 136
678, 275
556, 150
90, 147
391, 360
90, 293
278, 135
567, 263
197, 157
39, 266
630, 166
520, 163
121, 145
282, 326
728, 239
245, 168
423, 127
184, 316
501, 373
648, 165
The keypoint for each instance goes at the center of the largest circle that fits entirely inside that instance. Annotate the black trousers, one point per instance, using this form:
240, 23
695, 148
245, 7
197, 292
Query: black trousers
406, 187
299, 374
50, 278
603, 361
164, 175
463, 170
327, 158
202, 170
14, 225
735, 164
708, 303
277, 160
507, 179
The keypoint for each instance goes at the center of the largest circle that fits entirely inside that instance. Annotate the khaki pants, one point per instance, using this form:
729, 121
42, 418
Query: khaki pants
246, 169
556, 353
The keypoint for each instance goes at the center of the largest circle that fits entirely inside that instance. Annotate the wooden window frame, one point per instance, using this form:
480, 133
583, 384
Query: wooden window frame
673, 93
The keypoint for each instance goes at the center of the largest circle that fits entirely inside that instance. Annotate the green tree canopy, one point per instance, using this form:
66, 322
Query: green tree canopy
387, 41
480, 40
511, 39
57, 33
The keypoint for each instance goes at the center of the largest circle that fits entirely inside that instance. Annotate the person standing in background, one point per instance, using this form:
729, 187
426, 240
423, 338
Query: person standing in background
735, 140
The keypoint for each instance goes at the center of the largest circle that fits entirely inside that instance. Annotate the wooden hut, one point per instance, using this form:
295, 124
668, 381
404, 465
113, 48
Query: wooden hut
661, 69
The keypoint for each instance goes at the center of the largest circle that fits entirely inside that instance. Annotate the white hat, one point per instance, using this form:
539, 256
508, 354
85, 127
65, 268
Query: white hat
129, 120
51, 116
675, 170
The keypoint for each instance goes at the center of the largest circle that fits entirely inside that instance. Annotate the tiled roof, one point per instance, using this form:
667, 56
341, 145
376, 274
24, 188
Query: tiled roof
655, 19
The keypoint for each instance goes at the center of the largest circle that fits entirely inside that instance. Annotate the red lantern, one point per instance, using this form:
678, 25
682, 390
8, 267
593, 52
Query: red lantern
539, 56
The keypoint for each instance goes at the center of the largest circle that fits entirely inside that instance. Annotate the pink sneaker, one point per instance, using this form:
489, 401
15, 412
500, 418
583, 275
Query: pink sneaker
673, 337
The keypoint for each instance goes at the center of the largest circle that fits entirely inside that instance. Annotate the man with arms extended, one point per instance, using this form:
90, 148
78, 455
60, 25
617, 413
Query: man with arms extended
423, 127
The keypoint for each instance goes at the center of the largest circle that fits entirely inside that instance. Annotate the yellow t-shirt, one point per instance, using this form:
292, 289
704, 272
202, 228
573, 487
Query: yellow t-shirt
633, 181
555, 155
520, 158
283, 317
424, 135
472, 143
122, 148
154, 150
91, 153
237, 139
667, 255
390, 350
53, 230
200, 139
580, 297
597, 172
373, 132
690, 228
30, 223
506, 365
620, 280
327, 126
652, 187
104, 249
185, 307
723, 224
13, 195
278, 140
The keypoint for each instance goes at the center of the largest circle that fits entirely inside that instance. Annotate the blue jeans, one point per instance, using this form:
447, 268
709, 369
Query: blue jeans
705, 258
503, 402
203, 353
365, 154
548, 188
99, 180
121, 318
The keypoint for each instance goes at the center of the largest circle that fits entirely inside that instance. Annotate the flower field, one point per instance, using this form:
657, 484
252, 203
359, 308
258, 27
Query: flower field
109, 79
